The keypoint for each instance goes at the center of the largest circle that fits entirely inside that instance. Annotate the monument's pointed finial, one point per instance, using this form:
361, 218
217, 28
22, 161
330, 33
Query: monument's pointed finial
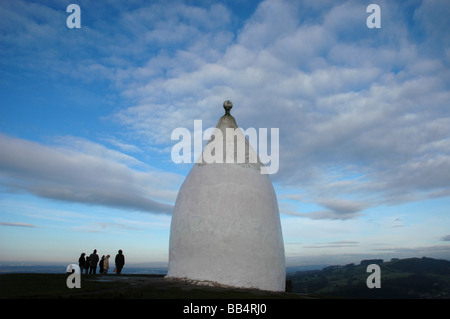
227, 105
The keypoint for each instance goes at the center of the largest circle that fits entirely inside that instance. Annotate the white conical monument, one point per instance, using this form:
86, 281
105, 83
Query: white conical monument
226, 225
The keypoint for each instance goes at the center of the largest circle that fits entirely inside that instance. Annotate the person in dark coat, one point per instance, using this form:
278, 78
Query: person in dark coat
87, 264
120, 262
81, 261
100, 264
93, 259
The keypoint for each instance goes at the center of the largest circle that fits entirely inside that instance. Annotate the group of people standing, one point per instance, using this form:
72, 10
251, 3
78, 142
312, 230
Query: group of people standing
89, 263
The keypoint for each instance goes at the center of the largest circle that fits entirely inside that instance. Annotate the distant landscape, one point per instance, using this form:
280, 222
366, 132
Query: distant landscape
421, 278
61, 269
142, 269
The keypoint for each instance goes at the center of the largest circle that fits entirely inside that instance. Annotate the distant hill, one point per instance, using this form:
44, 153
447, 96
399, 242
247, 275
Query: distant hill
400, 278
61, 269
421, 266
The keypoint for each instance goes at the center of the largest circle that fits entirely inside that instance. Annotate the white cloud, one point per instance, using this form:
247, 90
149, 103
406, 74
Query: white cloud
17, 224
90, 175
348, 102
362, 113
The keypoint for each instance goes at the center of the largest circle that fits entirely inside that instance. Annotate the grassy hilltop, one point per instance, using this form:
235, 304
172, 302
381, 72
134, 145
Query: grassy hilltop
400, 278
51, 286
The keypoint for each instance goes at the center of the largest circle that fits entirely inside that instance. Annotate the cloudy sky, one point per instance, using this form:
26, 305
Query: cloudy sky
86, 117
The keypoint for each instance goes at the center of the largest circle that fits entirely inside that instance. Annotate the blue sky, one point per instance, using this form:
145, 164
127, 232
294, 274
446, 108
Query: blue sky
86, 117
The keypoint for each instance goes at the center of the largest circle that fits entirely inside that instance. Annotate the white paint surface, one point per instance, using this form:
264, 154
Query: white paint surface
226, 227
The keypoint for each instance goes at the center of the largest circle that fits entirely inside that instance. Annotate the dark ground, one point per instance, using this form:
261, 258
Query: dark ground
110, 295
53, 286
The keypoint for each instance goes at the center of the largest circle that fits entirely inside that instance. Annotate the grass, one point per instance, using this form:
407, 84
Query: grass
53, 286
49, 286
